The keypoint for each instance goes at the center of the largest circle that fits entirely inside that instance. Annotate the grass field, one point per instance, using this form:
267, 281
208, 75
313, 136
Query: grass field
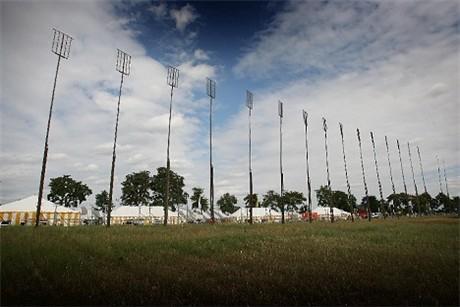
392, 262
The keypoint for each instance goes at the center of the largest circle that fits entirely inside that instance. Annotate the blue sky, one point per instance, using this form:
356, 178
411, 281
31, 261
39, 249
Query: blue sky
390, 67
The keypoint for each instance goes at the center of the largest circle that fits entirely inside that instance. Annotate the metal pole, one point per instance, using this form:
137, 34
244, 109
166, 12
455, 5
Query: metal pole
280, 113
364, 176
389, 166
331, 205
211, 91
249, 103
45, 151
402, 168
382, 201
346, 173
305, 118
112, 172
168, 164
413, 178
421, 169
445, 179
439, 176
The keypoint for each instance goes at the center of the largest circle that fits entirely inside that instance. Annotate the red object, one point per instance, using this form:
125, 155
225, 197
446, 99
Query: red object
362, 213
314, 216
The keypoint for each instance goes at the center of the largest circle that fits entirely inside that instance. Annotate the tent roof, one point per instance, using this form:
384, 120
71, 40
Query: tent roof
256, 212
133, 211
29, 204
325, 211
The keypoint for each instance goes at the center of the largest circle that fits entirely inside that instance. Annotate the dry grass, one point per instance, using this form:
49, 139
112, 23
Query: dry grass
392, 262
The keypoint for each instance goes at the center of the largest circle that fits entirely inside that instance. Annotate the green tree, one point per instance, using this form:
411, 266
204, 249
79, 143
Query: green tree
198, 199
271, 199
177, 195
291, 199
67, 192
137, 189
342, 201
227, 203
443, 200
102, 201
324, 196
399, 203
254, 201
374, 203
424, 201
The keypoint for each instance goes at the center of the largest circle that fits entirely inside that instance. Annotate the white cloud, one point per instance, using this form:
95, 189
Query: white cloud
159, 10
82, 127
201, 55
183, 16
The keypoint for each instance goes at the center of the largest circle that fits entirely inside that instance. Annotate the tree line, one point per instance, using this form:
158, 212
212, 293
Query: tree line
143, 189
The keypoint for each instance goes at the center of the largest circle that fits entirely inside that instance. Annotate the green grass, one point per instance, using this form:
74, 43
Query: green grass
392, 262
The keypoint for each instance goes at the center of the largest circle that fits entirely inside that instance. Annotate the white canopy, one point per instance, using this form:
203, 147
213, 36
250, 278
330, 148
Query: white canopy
29, 204
133, 211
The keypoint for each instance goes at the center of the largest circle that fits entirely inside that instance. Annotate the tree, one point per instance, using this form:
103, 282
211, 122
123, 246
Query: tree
424, 201
293, 198
198, 199
324, 196
254, 200
177, 195
271, 199
67, 192
399, 203
444, 201
374, 204
227, 203
342, 201
102, 201
137, 189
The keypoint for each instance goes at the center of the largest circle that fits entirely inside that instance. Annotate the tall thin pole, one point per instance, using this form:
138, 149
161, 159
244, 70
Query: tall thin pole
366, 191
211, 91
123, 66
413, 178
331, 205
421, 169
346, 173
305, 119
249, 104
402, 168
168, 163
382, 201
389, 166
112, 171
280, 113
439, 175
391, 174
173, 81
445, 179
61, 47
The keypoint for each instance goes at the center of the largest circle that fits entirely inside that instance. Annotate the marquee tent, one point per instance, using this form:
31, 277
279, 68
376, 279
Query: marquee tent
141, 215
23, 212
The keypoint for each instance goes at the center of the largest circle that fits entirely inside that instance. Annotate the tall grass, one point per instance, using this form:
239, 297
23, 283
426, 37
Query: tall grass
392, 262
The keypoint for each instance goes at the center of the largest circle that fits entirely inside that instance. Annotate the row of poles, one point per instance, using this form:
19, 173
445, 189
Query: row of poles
61, 47
250, 105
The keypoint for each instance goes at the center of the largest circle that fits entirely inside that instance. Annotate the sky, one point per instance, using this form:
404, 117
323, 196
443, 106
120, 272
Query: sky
390, 67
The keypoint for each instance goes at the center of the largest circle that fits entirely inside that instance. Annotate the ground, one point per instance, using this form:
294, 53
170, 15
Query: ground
386, 262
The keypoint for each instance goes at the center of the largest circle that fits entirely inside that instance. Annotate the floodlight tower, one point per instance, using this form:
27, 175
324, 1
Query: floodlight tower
173, 81
366, 191
439, 175
391, 173
305, 119
61, 47
382, 201
421, 169
250, 105
346, 173
413, 178
211, 91
123, 66
327, 170
280, 114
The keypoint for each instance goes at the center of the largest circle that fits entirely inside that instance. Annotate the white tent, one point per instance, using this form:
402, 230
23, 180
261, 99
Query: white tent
259, 215
324, 213
23, 212
141, 214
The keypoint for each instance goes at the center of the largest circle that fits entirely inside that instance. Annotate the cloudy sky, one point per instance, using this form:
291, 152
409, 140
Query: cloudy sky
391, 67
